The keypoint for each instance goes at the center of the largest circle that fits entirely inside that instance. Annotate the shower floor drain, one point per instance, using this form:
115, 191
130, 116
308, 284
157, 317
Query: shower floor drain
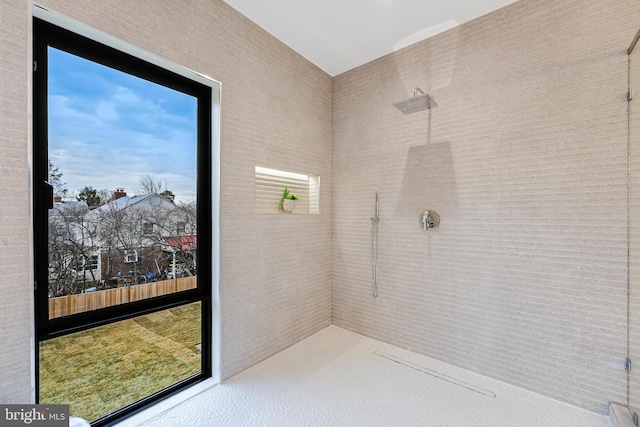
436, 374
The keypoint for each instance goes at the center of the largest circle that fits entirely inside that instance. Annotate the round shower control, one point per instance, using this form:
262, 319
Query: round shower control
429, 220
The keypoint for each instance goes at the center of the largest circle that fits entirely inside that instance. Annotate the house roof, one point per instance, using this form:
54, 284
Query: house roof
125, 202
60, 207
182, 243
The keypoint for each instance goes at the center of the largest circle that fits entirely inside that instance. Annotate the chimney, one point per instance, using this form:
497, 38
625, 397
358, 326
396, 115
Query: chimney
119, 193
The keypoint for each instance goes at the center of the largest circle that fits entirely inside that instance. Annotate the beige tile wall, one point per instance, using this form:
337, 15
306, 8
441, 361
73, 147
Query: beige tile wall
525, 159
634, 227
15, 274
276, 112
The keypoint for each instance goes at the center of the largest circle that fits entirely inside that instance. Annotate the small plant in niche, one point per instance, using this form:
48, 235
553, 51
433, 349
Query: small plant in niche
288, 201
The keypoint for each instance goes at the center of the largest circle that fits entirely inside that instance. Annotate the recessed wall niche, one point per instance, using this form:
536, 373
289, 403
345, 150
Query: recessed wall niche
270, 183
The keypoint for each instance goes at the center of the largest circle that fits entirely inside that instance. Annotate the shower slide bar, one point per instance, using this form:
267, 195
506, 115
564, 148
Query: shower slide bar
374, 247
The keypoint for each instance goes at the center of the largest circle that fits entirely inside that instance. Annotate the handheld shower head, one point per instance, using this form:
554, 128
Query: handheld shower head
418, 102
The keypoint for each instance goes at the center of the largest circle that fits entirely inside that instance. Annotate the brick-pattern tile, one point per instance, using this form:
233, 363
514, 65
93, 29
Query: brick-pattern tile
525, 160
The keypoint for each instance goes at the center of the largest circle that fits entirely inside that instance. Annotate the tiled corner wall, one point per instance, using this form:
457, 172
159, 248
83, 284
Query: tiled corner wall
525, 160
634, 226
276, 112
15, 289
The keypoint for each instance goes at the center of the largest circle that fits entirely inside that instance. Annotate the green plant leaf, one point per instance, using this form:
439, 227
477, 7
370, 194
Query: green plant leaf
287, 195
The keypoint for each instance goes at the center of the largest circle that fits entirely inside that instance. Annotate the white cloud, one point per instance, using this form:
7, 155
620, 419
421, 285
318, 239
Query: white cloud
108, 135
106, 111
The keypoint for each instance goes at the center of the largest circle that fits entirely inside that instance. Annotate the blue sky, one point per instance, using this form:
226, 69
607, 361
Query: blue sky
108, 128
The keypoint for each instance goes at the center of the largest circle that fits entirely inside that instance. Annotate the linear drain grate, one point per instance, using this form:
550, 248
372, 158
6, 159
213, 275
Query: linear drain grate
436, 374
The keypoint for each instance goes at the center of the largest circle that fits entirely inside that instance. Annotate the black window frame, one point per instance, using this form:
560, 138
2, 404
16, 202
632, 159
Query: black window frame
46, 34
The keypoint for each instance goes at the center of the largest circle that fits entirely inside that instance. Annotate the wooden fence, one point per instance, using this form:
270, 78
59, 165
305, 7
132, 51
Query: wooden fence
79, 303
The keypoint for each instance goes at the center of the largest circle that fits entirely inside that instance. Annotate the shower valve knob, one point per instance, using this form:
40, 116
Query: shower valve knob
429, 220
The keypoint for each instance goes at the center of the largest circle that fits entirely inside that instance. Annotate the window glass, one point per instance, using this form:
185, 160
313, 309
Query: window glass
100, 370
122, 160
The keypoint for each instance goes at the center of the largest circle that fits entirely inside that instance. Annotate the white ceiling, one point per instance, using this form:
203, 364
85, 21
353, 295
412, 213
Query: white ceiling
338, 35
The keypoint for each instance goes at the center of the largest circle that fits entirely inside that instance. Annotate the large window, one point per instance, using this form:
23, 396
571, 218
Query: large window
123, 235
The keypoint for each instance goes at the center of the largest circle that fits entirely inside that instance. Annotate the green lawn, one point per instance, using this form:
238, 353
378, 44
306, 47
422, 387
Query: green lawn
103, 369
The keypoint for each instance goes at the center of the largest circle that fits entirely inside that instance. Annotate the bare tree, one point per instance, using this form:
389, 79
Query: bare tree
121, 232
73, 241
150, 185
136, 235
105, 195
133, 240
176, 231
55, 179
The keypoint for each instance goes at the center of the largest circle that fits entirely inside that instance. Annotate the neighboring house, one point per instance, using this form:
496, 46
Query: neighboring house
74, 252
127, 239
183, 252
133, 231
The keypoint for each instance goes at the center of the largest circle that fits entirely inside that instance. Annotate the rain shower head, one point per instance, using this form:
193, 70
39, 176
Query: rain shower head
418, 102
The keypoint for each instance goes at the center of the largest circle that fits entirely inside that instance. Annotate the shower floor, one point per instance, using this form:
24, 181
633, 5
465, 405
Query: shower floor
339, 378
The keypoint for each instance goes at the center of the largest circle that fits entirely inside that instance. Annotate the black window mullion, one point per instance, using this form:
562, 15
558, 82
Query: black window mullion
92, 319
40, 177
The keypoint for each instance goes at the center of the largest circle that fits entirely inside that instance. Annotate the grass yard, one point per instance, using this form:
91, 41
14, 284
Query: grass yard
103, 369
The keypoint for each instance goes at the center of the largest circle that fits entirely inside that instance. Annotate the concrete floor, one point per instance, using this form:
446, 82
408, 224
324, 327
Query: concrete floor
339, 378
